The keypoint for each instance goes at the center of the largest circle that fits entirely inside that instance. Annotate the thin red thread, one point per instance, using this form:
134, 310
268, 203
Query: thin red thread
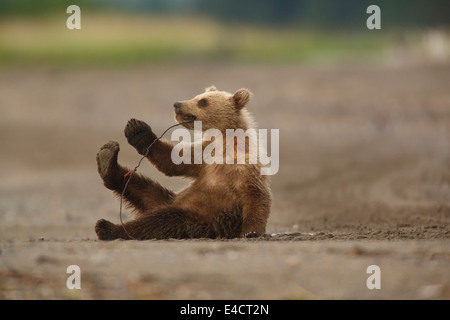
127, 174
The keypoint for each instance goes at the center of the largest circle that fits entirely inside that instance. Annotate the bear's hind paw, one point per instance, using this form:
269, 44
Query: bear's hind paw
107, 158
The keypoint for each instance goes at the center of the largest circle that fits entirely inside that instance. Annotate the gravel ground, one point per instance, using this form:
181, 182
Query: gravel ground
364, 180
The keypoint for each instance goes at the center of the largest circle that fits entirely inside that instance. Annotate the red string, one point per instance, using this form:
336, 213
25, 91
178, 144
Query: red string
128, 173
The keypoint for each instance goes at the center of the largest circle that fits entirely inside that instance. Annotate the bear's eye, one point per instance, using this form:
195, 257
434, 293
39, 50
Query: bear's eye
203, 102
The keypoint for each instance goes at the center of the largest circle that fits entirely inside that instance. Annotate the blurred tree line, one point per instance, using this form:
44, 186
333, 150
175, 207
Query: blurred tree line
343, 14
329, 13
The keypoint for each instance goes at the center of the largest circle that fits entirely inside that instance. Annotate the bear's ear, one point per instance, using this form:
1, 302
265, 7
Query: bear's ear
209, 89
241, 98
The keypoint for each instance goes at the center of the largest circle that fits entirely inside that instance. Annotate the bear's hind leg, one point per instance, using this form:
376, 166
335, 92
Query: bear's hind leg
143, 194
163, 223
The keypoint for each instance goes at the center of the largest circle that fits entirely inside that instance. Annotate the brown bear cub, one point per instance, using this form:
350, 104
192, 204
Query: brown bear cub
223, 201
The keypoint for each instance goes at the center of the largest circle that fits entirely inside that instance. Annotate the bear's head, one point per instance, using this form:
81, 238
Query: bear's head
216, 109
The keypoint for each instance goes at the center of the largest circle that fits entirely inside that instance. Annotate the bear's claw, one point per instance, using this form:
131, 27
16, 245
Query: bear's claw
252, 234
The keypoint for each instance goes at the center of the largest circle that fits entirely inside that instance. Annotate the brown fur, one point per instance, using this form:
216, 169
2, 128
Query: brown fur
223, 200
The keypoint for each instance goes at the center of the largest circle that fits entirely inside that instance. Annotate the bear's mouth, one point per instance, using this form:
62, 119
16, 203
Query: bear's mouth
190, 117
187, 117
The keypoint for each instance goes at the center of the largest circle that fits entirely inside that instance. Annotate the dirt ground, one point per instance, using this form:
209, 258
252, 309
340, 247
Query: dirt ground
364, 179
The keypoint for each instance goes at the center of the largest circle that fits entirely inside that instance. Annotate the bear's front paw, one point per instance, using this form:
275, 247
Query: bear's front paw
107, 160
139, 135
106, 230
252, 234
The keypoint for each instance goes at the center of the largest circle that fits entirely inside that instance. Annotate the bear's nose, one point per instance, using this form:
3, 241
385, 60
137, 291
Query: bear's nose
177, 105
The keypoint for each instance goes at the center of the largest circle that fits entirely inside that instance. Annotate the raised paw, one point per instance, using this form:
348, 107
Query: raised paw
107, 159
139, 135
106, 230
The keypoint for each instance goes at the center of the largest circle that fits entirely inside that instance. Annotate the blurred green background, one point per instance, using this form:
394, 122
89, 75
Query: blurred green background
118, 32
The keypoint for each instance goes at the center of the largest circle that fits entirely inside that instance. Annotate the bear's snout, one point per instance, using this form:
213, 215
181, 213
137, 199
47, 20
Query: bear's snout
177, 105
182, 112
